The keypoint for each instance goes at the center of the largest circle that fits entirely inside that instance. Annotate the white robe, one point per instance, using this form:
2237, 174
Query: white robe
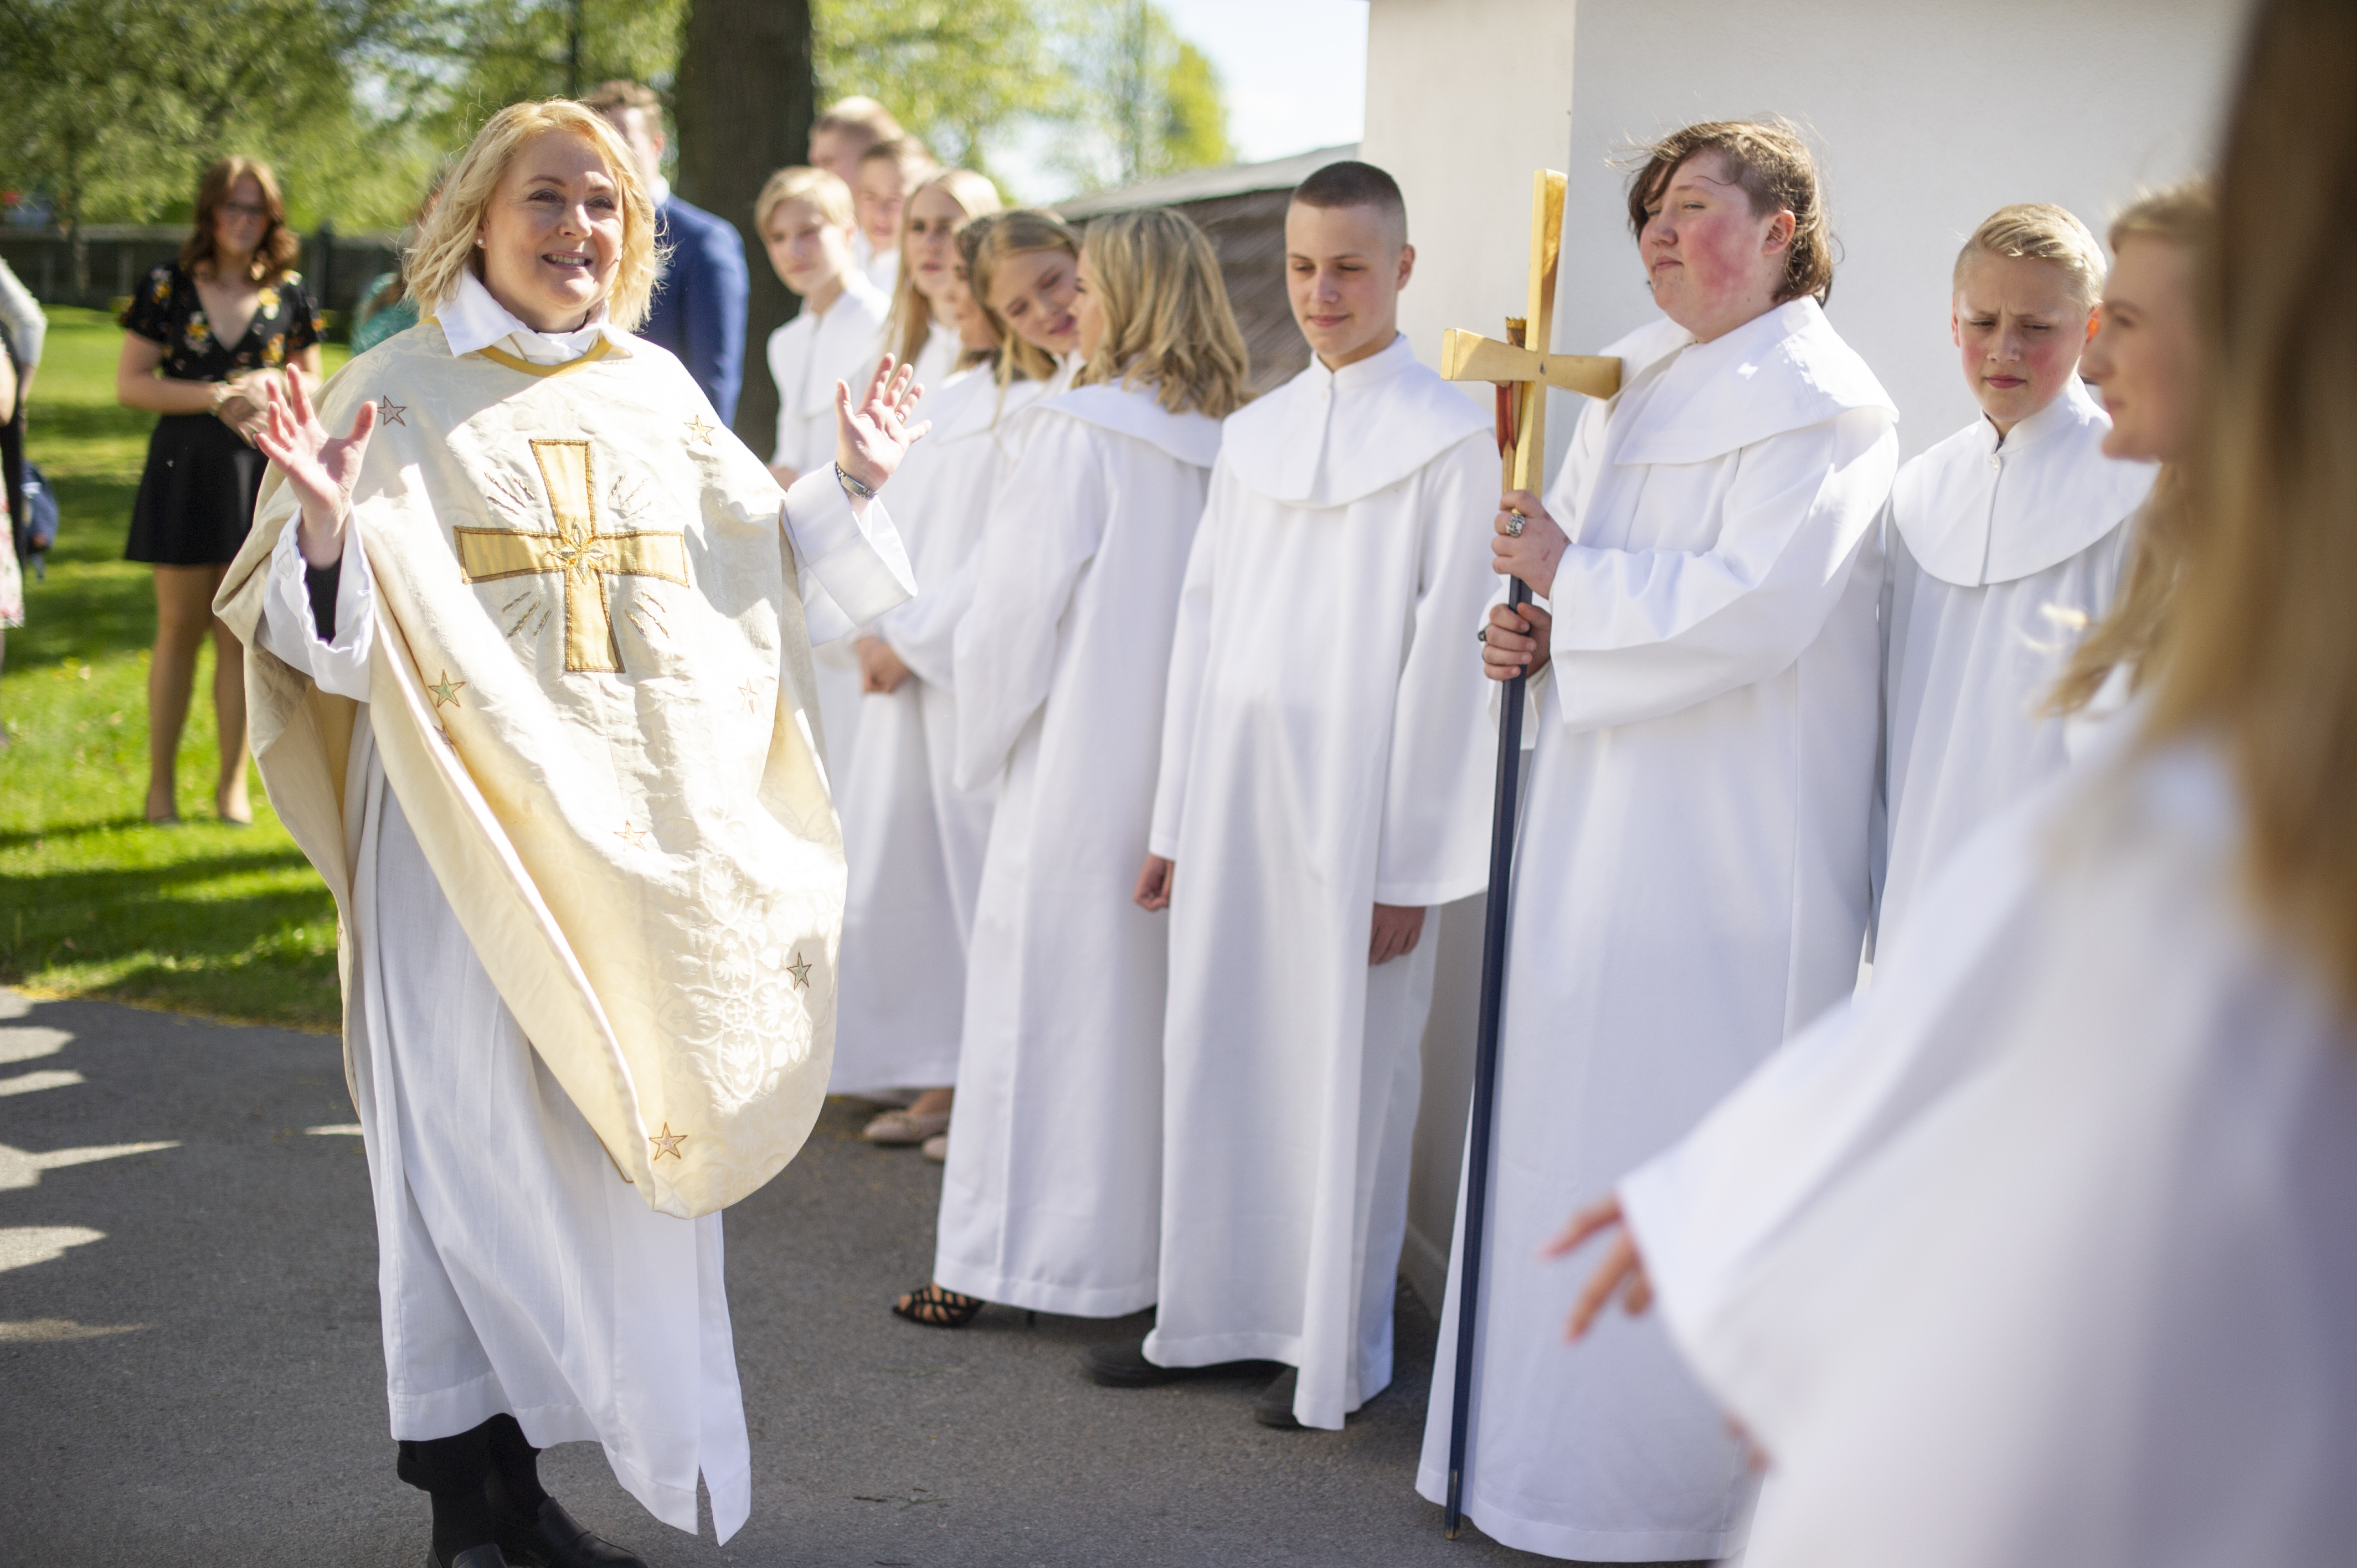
517, 1271
912, 839
2077, 1290
937, 366
2001, 556
807, 356
1327, 746
1052, 1197
1690, 887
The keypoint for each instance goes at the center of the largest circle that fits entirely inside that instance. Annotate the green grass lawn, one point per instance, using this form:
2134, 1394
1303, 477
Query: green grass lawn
201, 918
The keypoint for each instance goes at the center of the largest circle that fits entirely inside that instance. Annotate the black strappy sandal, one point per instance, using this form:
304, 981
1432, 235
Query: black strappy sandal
937, 1309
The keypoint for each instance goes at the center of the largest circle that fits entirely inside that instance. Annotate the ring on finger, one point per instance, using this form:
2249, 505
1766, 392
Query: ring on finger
1482, 634
1514, 525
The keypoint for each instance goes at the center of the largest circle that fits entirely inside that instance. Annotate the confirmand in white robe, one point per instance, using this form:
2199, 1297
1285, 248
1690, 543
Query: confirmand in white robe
1690, 887
912, 838
1327, 747
807, 356
2001, 556
2078, 1295
1052, 1197
517, 1271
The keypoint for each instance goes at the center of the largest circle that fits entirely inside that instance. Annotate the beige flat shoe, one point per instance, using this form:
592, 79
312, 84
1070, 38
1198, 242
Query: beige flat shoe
936, 1148
899, 1129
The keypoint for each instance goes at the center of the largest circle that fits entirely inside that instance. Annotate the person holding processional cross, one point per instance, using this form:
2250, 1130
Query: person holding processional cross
532, 687
1691, 878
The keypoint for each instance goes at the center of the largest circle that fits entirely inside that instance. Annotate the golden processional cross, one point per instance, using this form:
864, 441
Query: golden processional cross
1522, 367
577, 551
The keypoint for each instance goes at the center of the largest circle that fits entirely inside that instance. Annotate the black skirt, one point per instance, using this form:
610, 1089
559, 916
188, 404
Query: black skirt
196, 498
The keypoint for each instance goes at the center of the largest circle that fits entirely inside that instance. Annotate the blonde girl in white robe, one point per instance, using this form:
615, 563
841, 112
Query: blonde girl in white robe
1052, 1197
1023, 268
912, 837
2005, 543
805, 220
2082, 1295
923, 328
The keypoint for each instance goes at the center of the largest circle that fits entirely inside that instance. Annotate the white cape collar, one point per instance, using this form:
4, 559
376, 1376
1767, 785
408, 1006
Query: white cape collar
1132, 411
1974, 512
976, 404
1327, 439
1784, 370
472, 321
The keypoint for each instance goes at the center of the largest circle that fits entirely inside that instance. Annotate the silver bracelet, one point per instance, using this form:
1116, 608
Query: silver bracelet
864, 493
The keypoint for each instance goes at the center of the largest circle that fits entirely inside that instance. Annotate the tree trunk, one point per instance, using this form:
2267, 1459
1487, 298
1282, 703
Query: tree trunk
744, 103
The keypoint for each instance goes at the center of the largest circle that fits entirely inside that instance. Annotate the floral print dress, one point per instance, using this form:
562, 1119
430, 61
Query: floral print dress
196, 498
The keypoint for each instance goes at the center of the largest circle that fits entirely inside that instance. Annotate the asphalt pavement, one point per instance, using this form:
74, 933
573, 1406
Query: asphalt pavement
190, 1371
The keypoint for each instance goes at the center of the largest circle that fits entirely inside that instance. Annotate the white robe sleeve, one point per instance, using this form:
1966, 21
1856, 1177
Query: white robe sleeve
1190, 650
288, 629
1044, 528
853, 567
1878, 821
1640, 634
1435, 827
923, 631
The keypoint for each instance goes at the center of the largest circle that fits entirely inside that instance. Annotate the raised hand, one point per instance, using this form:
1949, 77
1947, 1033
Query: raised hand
322, 467
871, 439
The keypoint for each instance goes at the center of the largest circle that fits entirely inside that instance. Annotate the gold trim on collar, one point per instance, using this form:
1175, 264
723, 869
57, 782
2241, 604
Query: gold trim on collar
605, 346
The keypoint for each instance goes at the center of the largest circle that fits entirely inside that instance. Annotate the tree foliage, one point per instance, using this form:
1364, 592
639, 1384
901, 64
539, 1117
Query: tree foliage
115, 106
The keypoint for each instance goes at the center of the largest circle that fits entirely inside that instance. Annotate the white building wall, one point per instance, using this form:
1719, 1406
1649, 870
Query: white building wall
1925, 116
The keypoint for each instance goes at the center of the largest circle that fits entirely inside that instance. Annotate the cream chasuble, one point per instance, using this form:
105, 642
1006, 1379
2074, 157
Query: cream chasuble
1313, 766
592, 708
1052, 1197
1690, 887
2074, 1291
2001, 556
912, 837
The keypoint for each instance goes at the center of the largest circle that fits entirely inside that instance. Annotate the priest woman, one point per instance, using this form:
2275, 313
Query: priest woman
1691, 881
531, 688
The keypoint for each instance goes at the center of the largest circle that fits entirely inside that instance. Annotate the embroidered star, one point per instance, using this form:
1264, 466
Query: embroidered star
446, 691
751, 692
390, 412
700, 430
800, 969
667, 1143
632, 834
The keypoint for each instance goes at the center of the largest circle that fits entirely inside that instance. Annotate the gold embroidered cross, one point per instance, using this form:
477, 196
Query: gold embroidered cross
578, 551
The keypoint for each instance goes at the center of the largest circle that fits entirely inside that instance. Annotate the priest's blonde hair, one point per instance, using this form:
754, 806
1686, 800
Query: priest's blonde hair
2040, 232
913, 314
445, 247
1167, 323
2131, 631
1017, 233
2263, 649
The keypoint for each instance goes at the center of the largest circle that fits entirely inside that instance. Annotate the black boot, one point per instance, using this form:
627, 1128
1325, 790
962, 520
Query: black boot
534, 1529
452, 1471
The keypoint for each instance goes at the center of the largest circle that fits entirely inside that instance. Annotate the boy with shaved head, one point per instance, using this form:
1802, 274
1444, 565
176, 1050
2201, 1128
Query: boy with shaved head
1324, 779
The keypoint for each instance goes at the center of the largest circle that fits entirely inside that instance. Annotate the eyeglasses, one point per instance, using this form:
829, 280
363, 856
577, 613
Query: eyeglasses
243, 209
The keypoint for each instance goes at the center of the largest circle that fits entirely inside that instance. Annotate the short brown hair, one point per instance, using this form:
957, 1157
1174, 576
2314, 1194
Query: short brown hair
274, 258
608, 96
915, 163
1350, 183
1769, 159
857, 115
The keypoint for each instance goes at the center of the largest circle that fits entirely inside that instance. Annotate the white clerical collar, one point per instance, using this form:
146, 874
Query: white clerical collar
472, 321
1974, 511
1784, 370
1327, 439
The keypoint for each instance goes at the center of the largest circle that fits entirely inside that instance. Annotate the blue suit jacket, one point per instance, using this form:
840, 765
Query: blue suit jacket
699, 304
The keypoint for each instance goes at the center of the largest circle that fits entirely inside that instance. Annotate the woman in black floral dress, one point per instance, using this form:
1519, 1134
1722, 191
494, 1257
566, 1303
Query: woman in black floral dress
203, 337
